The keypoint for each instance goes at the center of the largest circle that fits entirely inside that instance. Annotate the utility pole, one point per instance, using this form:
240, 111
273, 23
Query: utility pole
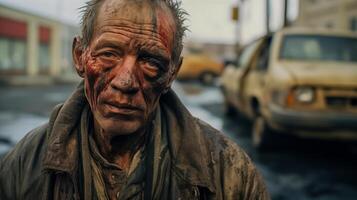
235, 12
267, 16
286, 20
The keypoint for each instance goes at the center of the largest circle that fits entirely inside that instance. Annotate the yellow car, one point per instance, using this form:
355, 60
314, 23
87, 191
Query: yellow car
297, 81
200, 67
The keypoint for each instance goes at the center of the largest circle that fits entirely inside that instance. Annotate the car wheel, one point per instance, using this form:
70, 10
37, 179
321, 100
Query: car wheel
261, 134
228, 109
207, 78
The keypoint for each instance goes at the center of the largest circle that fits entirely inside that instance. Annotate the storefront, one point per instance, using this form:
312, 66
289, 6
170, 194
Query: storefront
33, 46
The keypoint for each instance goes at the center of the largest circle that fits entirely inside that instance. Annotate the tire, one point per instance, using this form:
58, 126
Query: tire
228, 109
207, 78
261, 134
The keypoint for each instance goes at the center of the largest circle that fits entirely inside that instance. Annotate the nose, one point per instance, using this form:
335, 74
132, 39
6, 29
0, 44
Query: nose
125, 79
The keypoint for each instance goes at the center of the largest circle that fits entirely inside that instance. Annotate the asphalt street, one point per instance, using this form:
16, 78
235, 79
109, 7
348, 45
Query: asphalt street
297, 169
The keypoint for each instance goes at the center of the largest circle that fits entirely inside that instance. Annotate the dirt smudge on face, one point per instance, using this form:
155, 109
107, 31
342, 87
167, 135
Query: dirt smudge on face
95, 80
129, 62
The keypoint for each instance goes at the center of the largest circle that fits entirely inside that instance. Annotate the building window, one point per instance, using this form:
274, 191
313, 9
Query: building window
13, 51
12, 55
44, 49
5, 60
353, 24
19, 54
44, 58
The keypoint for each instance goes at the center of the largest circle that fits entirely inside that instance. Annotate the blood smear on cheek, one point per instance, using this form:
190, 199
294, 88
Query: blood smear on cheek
92, 74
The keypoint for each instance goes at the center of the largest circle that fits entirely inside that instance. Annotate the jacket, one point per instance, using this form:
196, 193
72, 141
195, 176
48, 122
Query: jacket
205, 164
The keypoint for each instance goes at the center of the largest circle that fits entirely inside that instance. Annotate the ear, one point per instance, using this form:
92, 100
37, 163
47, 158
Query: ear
174, 74
77, 51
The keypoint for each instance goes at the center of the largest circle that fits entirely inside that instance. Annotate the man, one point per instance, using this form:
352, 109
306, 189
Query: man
123, 134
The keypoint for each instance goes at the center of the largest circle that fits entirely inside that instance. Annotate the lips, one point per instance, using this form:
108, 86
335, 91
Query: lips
122, 108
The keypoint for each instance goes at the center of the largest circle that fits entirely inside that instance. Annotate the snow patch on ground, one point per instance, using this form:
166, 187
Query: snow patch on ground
14, 126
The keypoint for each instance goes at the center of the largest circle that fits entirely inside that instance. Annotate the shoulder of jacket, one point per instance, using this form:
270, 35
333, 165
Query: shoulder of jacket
219, 139
31, 145
235, 173
21, 167
222, 145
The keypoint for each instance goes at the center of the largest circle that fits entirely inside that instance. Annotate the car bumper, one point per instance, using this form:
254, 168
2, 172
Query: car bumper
292, 119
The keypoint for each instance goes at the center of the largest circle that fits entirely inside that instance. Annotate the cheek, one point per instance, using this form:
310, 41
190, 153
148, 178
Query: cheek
152, 90
95, 79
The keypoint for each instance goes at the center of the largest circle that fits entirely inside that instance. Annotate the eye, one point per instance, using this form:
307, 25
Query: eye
108, 57
150, 67
153, 65
152, 62
108, 54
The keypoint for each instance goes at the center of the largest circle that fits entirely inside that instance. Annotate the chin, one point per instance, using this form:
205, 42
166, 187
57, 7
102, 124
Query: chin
121, 127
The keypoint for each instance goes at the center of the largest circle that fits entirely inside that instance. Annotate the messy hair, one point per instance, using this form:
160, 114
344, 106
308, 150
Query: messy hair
90, 13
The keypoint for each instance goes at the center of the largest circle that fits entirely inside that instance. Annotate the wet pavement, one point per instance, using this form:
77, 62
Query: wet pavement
298, 169
23, 108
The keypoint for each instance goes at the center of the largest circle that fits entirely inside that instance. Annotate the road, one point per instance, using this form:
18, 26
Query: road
299, 169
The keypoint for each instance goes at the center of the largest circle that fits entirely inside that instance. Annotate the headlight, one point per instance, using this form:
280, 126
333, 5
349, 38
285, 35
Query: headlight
304, 94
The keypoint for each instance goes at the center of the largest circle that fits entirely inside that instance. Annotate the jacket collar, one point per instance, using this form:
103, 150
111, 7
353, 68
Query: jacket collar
186, 142
63, 144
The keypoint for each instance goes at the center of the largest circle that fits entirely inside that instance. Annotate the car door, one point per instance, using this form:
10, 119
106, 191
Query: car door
254, 81
234, 75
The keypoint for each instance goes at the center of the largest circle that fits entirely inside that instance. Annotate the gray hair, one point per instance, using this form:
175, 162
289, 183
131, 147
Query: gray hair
90, 12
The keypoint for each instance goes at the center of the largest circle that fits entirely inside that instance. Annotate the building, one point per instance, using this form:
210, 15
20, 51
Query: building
211, 30
336, 14
252, 22
33, 48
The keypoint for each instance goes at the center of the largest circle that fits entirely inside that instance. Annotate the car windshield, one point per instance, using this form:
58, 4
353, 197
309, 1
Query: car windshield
319, 48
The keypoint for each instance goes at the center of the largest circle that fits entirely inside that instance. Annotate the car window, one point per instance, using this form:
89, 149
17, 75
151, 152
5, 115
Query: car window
319, 48
246, 54
263, 55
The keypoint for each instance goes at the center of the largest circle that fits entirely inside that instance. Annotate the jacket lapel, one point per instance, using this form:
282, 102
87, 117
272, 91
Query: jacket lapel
62, 148
190, 157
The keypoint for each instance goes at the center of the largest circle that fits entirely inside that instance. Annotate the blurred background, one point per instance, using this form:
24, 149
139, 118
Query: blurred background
279, 77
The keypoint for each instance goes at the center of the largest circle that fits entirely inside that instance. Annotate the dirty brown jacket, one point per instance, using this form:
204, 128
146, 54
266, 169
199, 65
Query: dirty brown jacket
48, 162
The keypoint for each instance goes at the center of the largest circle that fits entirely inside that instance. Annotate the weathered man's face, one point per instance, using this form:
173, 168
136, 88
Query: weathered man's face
127, 65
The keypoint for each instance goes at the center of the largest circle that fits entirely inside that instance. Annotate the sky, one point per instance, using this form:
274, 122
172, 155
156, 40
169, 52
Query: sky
209, 20
253, 14
63, 10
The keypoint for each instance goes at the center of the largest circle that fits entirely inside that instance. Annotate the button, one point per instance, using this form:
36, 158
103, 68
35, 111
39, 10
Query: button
114, 176
118, 193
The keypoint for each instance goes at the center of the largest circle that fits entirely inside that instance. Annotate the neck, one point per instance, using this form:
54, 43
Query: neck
118, 149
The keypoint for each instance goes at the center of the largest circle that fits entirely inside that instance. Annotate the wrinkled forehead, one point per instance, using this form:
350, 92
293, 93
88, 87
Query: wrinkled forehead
134, 10
145, 14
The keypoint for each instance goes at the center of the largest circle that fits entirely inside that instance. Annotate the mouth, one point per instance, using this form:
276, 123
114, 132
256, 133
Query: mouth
122, 108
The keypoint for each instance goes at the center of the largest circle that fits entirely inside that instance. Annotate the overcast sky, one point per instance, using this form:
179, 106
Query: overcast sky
63, 10
209, 20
